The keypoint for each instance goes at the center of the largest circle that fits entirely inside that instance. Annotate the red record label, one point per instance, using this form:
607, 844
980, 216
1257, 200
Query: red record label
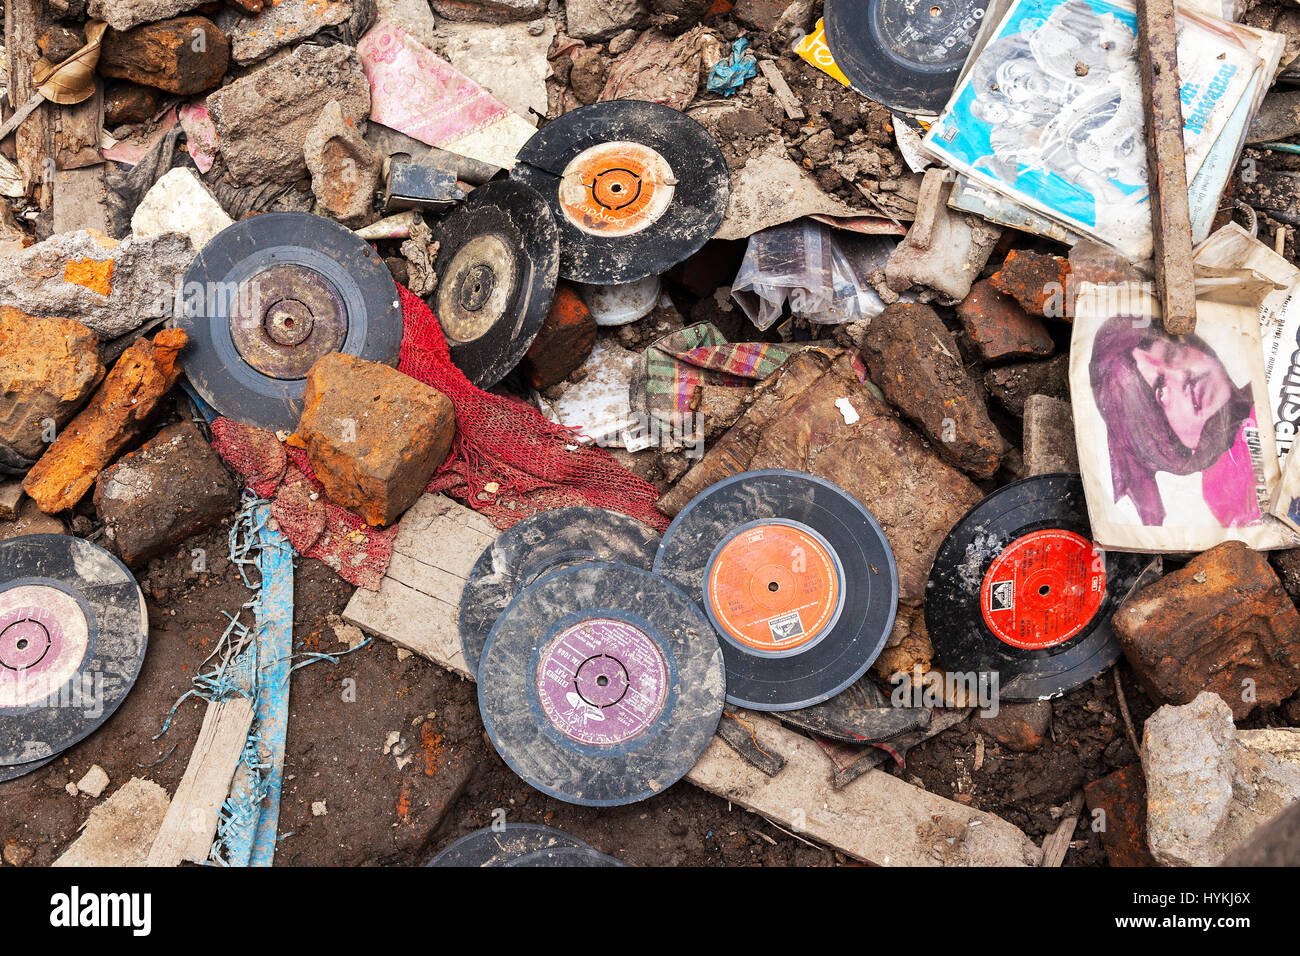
1043, 589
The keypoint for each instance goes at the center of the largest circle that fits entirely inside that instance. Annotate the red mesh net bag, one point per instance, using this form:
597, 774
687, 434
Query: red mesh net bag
506, 461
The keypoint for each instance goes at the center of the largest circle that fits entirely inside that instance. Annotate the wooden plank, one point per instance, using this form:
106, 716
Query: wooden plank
410, 619
24, 22
1057, 843
781, 89
1171, 220
79, 196
191, 821
80, 128
876, 818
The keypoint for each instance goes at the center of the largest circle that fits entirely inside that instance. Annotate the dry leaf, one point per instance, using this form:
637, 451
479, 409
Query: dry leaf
73, 80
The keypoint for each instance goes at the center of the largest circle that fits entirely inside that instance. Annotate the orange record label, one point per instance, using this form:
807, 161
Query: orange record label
1043, 589
616, 189
774, 587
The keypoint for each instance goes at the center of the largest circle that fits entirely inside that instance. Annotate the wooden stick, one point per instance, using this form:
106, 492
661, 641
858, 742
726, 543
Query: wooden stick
1171, 220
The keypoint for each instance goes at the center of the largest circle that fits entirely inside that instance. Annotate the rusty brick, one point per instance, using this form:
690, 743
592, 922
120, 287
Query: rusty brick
172, 488
564, 342
1037, 281
1223, 623
1019, 727
1122, 797
168, 55
374, 435
1000, 328
122, 408
128, 103
48, 367
345, 171
915, 361
491, 11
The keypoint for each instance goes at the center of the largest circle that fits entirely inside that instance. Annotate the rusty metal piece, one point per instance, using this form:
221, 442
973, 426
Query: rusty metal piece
1171, 220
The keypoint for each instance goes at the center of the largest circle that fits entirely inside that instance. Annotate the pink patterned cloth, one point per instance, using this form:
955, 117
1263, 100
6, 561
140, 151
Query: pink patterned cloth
418, 93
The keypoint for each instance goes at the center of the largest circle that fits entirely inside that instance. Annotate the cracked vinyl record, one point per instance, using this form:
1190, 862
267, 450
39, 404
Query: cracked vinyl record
635, 187
269, 296
498, 259
548, 541
797, 579
73, 632
1019, 590
904, 54
601, 685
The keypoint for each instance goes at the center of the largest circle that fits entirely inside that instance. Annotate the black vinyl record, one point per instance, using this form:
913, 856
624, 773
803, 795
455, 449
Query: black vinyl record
520, 844
601, 685
1019, 591
269, 296
796, 577
635, 187
73, 633
497, 263
548, 541
905, 55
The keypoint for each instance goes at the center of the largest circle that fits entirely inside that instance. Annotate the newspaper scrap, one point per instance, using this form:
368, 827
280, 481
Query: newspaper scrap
1049, 114
1175, 436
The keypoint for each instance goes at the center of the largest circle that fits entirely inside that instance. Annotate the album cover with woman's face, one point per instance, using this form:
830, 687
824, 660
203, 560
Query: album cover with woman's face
1175, 437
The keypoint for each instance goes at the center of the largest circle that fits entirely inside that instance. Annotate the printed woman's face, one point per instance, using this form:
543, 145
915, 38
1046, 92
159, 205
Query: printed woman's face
1189, 384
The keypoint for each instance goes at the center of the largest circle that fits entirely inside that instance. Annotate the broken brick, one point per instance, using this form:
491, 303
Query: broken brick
124, 405
184, 56
172, 488
1021, 727
1049, 436
48, 367
1013, 383
1000, 328
489, 11
564, 342
1035, 280
374, 435
1223, 623
915, 361
130, 103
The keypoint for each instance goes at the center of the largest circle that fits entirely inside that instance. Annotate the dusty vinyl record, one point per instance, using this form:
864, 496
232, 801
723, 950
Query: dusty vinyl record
547, 541
601, 685
520, 844
73, 632
635, 187
14, 771
1018, 590
796, 577
498, 258
269, 296
903, 54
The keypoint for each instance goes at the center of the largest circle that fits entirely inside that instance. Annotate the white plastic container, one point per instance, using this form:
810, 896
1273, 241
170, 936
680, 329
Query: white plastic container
622, 303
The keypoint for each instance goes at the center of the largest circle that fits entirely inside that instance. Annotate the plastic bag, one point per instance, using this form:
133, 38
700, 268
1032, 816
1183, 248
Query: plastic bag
802, 265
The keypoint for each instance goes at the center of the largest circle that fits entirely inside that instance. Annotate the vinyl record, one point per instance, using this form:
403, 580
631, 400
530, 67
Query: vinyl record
602, 684
1019, 591
73, 632
903, 54
520, 844
796, 577
498, 258
14, 771
269, 296
546, 542
635, 187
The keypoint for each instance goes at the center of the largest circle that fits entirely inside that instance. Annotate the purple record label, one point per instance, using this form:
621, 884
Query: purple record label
602, 681
43, 640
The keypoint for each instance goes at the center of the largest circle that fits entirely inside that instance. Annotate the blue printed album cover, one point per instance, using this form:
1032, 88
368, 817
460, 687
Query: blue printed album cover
1050, 113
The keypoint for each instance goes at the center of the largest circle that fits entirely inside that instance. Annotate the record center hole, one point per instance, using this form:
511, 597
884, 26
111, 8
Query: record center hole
935, 11
773, 586
602, 681
22, 643
1045, 590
